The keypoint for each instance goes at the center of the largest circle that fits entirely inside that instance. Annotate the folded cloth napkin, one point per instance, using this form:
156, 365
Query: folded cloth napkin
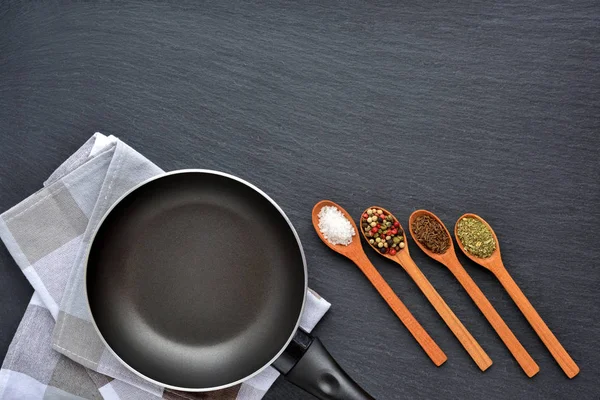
56, 353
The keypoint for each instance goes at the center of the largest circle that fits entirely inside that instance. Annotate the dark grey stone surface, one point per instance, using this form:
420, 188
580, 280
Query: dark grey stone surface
481, 107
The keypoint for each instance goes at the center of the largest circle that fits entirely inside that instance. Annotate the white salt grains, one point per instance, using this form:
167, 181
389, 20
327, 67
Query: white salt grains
335, 227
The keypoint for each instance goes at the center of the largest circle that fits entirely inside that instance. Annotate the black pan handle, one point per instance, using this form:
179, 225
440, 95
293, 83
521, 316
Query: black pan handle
307, 364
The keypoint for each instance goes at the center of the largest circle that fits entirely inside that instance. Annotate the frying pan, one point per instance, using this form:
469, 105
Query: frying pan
196, 281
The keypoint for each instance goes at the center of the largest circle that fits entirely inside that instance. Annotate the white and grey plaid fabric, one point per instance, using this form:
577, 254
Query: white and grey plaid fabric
56, 353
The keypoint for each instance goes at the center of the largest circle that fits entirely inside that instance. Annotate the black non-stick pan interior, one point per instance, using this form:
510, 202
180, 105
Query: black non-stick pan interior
195, 280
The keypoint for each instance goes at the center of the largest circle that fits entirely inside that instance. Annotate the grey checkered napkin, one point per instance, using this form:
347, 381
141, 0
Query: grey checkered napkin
47, 234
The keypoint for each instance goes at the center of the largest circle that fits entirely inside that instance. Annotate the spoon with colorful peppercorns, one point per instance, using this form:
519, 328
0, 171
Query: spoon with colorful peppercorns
384, 234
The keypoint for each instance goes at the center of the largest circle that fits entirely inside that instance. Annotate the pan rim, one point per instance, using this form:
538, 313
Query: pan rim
210, 172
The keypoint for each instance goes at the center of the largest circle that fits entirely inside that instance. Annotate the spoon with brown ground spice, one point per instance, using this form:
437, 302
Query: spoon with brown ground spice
431, 235
472, 235
392, 245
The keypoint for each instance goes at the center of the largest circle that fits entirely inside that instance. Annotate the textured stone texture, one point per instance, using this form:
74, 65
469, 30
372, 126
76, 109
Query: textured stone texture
475, 107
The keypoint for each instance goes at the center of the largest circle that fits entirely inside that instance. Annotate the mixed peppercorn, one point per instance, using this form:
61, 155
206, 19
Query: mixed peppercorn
382, 231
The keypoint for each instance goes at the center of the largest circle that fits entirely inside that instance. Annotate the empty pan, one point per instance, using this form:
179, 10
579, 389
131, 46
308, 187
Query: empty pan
196, 281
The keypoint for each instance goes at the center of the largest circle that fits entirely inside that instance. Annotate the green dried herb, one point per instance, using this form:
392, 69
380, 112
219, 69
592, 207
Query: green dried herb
475, 237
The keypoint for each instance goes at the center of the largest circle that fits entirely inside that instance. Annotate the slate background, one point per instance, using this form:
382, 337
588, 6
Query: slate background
450, 106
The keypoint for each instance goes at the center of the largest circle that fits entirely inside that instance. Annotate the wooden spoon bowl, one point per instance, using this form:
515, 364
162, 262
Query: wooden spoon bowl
447, 256
350, 251
493, 262
401, 229
495, 265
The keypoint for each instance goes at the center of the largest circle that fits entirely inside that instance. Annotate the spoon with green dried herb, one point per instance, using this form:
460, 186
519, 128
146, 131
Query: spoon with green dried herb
433, 238
475, 237
478, 241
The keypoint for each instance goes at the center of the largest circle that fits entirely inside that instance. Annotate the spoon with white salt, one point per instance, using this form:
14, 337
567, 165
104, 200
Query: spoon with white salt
337, 230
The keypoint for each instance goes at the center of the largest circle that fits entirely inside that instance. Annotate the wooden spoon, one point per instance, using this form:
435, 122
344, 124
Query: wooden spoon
495, 265
449, 259
403, 258
355, 253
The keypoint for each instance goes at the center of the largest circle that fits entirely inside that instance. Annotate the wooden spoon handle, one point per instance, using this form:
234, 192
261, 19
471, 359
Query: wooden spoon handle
527, 363
478, 355
430, 347
556, 349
